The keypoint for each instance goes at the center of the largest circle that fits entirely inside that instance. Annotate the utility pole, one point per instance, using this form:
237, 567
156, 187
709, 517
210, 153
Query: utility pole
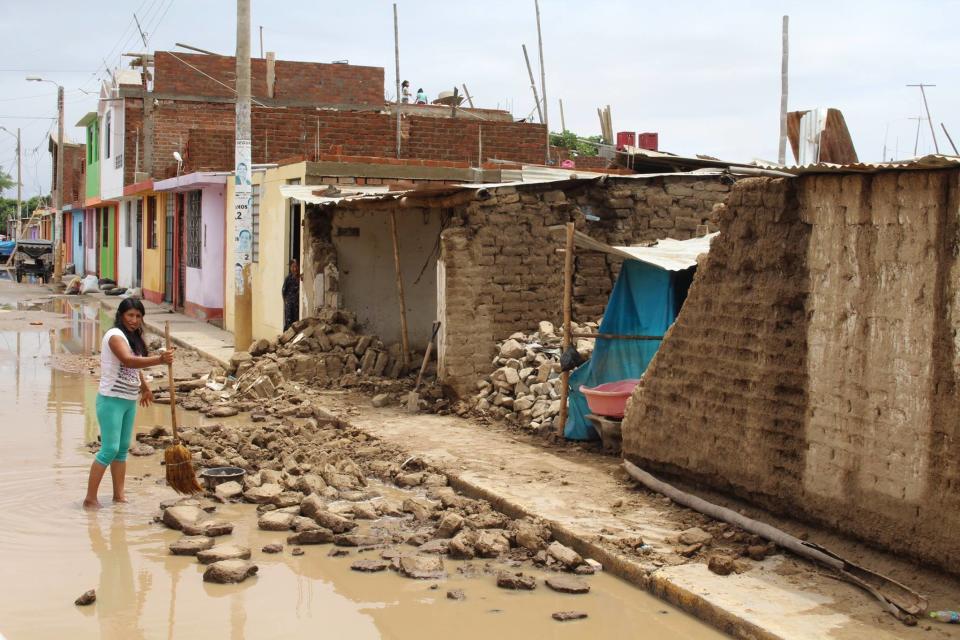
243, 188
782, 152
563, 121
543, 80
396, 55
58, 214
927, 108
20, 182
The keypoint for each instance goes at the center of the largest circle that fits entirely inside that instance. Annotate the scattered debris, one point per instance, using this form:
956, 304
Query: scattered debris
564, 616
230, 571
88, 598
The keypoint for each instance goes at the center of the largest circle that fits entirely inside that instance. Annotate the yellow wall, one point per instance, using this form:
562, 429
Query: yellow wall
268, 274
153, 259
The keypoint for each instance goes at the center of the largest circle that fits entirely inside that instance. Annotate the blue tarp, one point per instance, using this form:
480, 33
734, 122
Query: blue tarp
645, 301
6, 247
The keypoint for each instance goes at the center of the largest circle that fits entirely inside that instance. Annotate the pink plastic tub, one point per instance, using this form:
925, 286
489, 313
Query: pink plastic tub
610, 398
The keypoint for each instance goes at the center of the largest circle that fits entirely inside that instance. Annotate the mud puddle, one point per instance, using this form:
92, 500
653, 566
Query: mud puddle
52, 550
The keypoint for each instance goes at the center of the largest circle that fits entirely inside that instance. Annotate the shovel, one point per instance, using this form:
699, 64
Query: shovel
413, 398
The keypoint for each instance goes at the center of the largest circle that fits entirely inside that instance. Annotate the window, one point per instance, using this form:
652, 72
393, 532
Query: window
255, 221
128, 234
80, 232
105, 232
194, 239
152, 222
106, 136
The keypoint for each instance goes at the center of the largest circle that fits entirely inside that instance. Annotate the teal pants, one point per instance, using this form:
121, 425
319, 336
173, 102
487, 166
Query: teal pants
115, 416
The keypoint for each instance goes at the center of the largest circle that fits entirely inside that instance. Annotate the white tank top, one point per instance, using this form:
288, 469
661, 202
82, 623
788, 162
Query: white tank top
116, 380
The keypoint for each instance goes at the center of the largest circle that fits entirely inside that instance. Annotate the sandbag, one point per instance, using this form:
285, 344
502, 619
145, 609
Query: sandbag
90, 284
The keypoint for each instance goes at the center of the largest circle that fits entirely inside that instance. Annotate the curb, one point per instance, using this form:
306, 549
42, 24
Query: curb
620, 566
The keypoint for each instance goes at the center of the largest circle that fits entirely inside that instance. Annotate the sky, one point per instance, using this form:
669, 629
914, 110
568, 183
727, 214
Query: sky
704, 75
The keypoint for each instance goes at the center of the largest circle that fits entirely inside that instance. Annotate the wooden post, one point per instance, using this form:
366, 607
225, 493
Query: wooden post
942, 126
567, 313
533, 84
782, 149
543, 80
404, 340
173, 390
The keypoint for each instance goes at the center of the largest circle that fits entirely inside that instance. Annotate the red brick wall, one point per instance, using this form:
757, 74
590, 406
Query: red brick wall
74, 182
312, 82
203, 132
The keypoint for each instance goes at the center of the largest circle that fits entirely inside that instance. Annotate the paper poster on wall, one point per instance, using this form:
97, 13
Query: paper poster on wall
243, 213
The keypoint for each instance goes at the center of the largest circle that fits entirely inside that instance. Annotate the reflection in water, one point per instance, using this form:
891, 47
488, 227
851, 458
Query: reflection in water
116, 587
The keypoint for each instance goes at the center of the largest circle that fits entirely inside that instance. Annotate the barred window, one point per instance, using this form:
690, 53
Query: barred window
152, 222
255, 221
194, 235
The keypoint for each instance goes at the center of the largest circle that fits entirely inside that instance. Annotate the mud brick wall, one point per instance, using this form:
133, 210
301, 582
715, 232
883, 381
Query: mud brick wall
503, 271
74, 176
813, 369
310, 82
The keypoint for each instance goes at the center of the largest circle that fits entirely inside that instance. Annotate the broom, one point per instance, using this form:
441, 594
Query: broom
176, 457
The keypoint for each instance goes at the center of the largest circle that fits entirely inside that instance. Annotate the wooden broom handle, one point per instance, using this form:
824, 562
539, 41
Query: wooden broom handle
173, 393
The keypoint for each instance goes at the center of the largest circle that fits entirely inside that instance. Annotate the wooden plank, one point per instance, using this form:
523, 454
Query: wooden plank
567, 320
404, 339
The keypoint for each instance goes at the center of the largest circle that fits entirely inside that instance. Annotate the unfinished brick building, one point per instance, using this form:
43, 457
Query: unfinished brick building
483, 261
300, 109
813, 368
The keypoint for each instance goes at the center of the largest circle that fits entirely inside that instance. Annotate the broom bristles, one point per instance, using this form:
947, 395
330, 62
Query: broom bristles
180, 474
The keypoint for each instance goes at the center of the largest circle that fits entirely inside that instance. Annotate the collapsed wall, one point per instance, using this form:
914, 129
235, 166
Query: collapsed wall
813, 367
502, 273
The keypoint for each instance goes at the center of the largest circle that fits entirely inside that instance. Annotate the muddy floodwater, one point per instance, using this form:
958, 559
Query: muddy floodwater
51, 550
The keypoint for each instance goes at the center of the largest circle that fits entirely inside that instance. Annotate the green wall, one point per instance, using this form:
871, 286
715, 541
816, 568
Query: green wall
108, 239
93, 159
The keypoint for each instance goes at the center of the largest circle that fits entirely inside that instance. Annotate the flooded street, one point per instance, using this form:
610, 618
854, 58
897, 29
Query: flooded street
51, 550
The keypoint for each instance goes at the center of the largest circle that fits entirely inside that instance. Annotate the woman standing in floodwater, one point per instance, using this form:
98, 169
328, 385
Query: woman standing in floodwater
122, 353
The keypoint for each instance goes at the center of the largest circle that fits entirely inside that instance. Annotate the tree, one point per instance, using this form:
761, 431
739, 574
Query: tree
578, 145
6, 182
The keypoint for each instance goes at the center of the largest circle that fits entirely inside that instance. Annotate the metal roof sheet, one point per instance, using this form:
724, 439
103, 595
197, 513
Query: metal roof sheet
928, 162
668, 254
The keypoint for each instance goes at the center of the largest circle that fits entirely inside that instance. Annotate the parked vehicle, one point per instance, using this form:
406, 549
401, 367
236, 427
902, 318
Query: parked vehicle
34, 257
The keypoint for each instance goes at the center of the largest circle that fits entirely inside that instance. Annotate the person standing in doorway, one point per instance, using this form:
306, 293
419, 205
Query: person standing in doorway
291, 295
123, 353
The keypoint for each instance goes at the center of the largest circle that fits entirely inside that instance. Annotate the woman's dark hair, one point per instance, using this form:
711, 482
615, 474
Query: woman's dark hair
135, 338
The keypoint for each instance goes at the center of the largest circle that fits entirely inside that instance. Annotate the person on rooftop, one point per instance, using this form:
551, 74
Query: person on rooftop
405, 92
421, 96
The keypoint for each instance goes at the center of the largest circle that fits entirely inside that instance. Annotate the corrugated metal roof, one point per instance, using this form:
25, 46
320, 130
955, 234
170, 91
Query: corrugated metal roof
929, 162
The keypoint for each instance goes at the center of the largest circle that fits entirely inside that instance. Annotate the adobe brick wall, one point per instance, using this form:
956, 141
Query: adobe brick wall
503, 273
309, 82
813, 368
203, 132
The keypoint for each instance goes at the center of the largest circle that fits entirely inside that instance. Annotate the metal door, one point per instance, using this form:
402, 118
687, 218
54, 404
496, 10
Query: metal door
138, 248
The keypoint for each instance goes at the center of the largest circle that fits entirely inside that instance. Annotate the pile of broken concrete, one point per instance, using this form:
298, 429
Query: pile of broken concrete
326, 351
524, 389
321, 482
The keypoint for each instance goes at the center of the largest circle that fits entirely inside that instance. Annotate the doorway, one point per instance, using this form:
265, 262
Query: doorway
168, 251
181, 253
138, 246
